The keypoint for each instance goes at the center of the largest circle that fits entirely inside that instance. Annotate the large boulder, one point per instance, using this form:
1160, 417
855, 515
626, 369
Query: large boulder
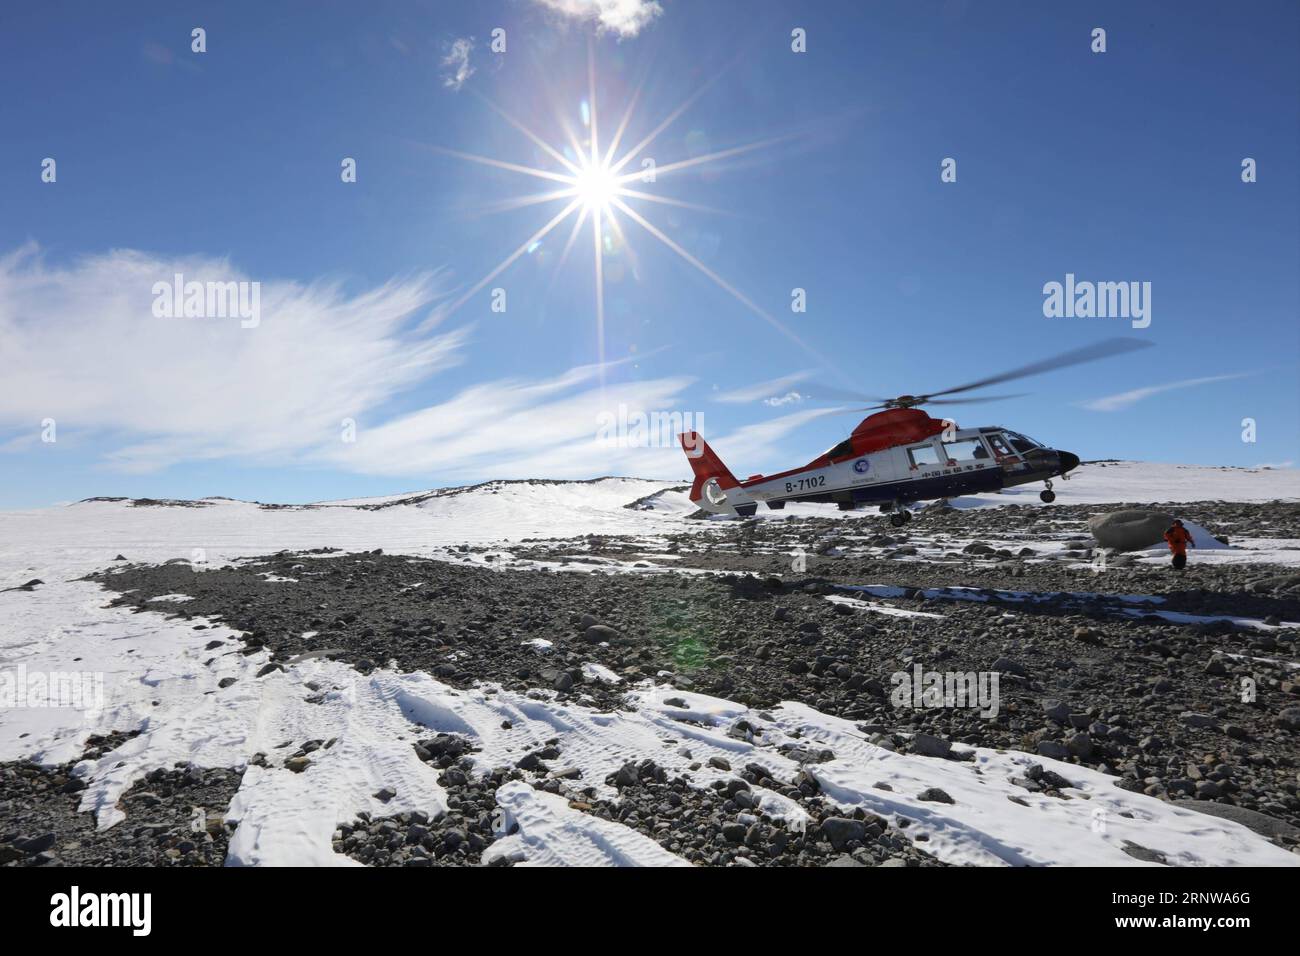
1130, 530
1261, 823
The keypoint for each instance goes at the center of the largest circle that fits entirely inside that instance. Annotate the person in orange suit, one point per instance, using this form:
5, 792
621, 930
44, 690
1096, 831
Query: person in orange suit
1178, 538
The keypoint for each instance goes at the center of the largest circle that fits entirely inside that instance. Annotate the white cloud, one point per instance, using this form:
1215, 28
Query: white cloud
21, 443
1122, 400
456, 65
514, 429
81, 345
625, 17
762, 445
789, 398
764, 391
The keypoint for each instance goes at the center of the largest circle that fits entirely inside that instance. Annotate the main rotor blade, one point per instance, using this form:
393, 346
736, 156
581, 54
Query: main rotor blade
976, 400
841, 394
1088, 353
942, 401
826, 412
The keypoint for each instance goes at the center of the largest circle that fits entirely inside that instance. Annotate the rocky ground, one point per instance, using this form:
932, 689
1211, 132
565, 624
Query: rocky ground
722, 825
455, 838
718, 826
173, 817
1204, 712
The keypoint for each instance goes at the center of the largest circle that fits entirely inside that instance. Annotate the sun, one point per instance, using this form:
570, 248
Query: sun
597, 185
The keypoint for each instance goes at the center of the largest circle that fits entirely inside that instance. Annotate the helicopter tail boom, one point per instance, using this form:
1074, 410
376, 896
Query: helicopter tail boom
708, 468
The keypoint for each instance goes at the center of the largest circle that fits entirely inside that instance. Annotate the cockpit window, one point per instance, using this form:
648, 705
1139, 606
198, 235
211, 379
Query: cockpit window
1021, 443
999, 446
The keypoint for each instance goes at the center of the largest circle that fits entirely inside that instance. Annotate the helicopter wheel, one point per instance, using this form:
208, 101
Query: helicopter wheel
899, 517
1047, 496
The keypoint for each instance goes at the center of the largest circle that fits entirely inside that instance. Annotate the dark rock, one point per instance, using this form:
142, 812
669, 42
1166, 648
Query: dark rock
840, 831
934, 795
600, 633
930, 746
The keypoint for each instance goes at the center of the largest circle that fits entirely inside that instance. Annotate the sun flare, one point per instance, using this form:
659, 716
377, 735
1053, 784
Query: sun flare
597, 186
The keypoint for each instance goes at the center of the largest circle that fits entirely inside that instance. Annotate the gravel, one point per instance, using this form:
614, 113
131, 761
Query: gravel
174, 816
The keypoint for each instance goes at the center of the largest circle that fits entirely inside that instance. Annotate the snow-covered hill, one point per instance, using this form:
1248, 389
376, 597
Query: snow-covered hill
90, 534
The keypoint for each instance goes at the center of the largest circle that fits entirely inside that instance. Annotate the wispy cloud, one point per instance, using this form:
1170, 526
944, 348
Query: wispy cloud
762, 445
545, 428
764, 391
456, 68
1122, 400
627, 18
789, 398
81, 345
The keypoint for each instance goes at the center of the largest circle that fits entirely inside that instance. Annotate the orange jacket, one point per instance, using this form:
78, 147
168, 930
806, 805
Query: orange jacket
1179, 538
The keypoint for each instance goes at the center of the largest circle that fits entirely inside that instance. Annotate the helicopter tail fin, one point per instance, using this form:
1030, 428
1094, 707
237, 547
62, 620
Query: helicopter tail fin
707, 466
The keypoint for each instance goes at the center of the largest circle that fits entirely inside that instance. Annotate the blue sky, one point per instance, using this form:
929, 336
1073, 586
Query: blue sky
225, 165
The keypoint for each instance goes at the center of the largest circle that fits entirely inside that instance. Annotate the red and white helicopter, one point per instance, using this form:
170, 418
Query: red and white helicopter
901, 455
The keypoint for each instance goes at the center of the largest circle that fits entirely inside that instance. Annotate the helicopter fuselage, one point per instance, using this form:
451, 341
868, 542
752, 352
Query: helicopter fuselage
895, 457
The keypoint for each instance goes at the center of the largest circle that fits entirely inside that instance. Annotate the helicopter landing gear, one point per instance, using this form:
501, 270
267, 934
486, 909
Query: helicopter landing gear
899, 517
1047, 495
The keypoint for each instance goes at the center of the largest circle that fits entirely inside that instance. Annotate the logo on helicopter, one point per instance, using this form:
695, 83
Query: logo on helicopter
861, 466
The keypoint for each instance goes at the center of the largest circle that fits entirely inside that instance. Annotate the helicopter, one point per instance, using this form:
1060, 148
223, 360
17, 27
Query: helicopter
900, 455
